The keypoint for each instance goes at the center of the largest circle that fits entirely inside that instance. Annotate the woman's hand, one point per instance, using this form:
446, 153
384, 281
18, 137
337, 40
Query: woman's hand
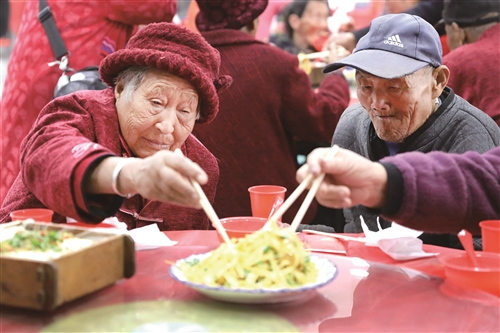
163, 176
350, 179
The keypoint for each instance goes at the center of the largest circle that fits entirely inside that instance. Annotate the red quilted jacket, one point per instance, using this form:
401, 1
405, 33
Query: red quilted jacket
91, 29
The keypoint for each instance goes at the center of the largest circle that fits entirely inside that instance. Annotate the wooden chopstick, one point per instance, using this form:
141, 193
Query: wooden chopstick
291, 199
313, 55
209, 210
312, 192
337, 236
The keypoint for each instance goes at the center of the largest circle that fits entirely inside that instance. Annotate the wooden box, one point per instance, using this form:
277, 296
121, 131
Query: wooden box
46, 284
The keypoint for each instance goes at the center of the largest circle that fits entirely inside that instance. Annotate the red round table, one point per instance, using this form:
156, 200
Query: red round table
366, 295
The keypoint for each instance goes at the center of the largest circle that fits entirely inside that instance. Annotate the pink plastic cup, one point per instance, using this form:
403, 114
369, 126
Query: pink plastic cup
490, 232
37, 214
266, 199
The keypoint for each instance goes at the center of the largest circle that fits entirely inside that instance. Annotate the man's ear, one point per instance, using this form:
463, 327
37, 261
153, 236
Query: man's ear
294, 21
455, 36
440, 77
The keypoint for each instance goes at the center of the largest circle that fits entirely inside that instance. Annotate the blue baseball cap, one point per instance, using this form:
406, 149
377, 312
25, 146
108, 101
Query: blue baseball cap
396, 45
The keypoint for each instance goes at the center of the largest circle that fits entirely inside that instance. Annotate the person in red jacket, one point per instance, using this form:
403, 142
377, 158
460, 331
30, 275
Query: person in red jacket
473, 32
269, 107
90, 30
94, 154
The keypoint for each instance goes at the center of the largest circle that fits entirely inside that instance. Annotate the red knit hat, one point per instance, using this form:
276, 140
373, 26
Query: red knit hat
223, 14
178, 51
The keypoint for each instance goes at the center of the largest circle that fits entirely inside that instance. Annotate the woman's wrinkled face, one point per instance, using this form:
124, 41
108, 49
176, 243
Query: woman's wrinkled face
314, 22
397, 107
159, 114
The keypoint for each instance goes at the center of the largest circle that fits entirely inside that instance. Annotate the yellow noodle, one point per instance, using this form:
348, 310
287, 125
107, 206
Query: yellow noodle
274, 259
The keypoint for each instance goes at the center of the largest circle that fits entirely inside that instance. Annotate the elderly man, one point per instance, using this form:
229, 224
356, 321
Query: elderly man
405, 104
473, 33
94, 154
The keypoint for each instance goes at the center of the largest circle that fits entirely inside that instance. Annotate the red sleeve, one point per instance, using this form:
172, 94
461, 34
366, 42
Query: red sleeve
132, 12
314, 116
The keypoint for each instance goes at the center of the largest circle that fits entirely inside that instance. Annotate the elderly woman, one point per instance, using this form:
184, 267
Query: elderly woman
95, 154
405, 104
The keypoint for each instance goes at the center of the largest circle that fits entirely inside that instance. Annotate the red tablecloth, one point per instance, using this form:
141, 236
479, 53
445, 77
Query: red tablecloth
365, 296
429, 265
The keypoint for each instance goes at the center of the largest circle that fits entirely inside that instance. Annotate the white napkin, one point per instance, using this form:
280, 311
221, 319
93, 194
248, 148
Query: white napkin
399, 242
150, 237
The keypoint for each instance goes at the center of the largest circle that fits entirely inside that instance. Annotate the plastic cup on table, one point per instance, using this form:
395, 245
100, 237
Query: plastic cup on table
490, 232
266, 199
459, 270
37, 214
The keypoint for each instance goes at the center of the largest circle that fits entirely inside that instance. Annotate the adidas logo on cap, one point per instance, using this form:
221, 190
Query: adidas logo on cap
394, 40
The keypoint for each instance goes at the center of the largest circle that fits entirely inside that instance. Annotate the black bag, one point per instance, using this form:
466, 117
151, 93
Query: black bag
84, 79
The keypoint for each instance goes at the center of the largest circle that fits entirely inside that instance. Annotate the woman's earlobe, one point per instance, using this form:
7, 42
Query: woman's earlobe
119, 89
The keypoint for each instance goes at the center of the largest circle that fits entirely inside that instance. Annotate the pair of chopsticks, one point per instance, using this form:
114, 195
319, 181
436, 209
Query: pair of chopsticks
309, 197
209, 210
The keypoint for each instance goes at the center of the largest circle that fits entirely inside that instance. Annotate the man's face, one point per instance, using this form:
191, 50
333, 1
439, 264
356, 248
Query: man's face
397, 107
313, 25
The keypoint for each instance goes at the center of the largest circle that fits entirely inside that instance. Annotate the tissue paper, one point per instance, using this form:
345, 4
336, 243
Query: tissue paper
150, 237
399, 242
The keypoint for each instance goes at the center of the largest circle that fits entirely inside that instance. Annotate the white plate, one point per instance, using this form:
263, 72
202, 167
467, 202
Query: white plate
326, 273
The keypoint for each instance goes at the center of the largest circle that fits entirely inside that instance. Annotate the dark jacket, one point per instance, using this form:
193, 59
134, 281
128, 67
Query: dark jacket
455, 127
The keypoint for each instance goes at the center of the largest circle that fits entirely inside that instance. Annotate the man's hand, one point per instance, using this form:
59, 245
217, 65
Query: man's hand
350, 179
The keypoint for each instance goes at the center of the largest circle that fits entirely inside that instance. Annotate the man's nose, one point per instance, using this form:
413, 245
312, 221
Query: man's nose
379, 101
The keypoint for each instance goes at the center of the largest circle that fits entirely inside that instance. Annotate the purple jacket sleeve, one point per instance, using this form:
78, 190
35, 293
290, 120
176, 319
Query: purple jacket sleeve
447, 192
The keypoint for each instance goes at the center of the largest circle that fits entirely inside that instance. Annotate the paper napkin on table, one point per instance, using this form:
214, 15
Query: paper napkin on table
399, 242
150, 237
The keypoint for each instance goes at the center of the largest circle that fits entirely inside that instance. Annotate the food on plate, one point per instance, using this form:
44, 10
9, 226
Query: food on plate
267, 259
40, 243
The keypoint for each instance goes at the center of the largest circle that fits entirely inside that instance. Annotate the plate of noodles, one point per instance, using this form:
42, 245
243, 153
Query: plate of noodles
271, 266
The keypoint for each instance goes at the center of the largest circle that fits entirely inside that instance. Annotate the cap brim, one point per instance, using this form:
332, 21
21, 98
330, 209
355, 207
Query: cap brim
380, 63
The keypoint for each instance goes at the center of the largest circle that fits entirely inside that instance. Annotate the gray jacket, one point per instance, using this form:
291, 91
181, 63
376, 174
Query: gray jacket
455, 127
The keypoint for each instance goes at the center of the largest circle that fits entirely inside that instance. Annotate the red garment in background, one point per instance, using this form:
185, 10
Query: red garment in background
269, 105
91, 29
444, 44
474, 72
